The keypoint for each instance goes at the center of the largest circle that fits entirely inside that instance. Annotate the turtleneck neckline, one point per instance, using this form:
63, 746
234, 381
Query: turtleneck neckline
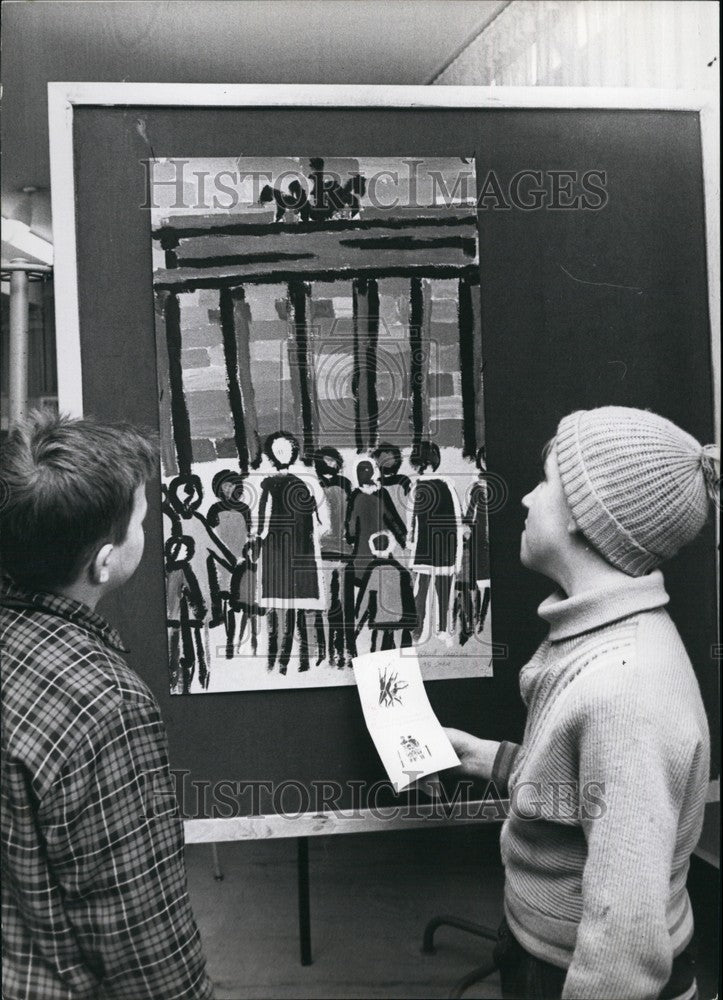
571, 616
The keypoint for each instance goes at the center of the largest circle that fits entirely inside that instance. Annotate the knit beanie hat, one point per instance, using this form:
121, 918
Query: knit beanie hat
638, 486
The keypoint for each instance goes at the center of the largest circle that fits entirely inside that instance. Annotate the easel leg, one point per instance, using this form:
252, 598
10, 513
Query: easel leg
302, 867
217, 873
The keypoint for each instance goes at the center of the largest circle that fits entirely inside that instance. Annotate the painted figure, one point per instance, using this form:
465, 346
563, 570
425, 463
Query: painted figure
186, 615
290, 580
370, 510
436, 537
479, 547
335, 551
389, 459
231, 572
386, 596
473, 582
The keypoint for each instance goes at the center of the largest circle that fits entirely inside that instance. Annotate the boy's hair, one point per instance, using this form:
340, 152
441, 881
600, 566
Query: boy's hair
68, 487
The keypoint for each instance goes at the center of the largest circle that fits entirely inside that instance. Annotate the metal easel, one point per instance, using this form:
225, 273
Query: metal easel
20, 272
302, 886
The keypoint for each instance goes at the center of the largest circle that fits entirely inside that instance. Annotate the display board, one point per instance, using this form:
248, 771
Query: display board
593, 287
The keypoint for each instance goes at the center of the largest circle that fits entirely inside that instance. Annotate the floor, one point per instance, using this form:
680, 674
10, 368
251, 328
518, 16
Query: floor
371, 896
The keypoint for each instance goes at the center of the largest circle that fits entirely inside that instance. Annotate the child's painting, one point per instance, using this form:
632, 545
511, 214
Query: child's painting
322, 425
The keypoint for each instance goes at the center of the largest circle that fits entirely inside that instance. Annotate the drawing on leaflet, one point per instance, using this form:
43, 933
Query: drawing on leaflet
390, 687
319, 356
413, 749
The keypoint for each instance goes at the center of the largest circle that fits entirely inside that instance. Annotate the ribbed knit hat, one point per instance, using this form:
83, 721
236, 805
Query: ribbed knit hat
637, 485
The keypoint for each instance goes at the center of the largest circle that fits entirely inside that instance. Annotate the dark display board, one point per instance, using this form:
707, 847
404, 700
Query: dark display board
580, 308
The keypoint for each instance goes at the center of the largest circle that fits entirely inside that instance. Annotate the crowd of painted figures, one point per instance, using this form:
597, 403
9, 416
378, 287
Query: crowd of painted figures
398, 558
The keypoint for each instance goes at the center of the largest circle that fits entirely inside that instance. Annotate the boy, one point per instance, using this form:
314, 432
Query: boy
608, 788
94, 885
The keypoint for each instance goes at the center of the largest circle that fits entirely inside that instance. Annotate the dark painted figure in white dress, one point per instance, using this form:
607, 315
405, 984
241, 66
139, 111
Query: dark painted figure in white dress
436, 538
335, 552
389, 459
230, 566
386, 598
186, 616
290, 577
371, 509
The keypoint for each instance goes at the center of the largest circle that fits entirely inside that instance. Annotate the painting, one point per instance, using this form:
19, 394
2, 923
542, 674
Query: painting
320, 363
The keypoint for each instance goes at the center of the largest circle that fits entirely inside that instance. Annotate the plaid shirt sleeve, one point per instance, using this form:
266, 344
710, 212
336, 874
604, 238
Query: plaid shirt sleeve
115, 845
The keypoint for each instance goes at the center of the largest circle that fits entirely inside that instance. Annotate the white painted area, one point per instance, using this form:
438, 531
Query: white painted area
62, 188
440, 657
209, 95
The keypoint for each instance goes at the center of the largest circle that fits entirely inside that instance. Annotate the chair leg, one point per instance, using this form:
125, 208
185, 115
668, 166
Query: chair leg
462, 925
475, 976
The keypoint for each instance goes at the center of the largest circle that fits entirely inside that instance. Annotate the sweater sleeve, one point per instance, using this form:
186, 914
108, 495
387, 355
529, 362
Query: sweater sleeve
503, 764
623, 949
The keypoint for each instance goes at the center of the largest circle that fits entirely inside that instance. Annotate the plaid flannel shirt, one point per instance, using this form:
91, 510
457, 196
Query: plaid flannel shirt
95, 903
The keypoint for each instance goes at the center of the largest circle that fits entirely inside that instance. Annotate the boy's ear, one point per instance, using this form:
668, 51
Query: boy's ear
100, 567
572, 528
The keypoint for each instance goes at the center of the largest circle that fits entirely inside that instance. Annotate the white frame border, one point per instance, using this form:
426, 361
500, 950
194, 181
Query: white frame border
63, 98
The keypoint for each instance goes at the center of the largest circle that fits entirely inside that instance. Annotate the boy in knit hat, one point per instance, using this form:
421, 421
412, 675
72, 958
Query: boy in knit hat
608, 787
94, 884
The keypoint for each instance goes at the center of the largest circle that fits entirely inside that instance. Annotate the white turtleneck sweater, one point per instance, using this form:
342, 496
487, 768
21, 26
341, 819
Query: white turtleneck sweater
608, 790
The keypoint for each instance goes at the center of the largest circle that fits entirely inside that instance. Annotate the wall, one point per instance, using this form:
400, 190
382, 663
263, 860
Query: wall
595, 43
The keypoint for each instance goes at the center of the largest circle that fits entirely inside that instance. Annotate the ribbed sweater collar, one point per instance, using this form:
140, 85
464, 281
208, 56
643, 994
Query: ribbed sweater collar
571, 616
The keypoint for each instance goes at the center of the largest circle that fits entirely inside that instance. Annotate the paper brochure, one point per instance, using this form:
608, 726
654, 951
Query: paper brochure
406, 732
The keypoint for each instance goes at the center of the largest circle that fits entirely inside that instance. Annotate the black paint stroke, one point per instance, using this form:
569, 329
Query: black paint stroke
416, 321
242, 316
169, 235
303, 640
242, 259
356, 370
272, 624
468, 374
228, 332
168, 454
298, 298
287, 641
468, 245
189, 283
179, 410
371, 362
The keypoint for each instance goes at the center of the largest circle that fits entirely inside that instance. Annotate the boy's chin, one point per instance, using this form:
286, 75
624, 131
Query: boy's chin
527, 557
524, 551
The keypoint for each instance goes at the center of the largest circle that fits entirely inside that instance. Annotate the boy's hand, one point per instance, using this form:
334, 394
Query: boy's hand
430, 785
476, 756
